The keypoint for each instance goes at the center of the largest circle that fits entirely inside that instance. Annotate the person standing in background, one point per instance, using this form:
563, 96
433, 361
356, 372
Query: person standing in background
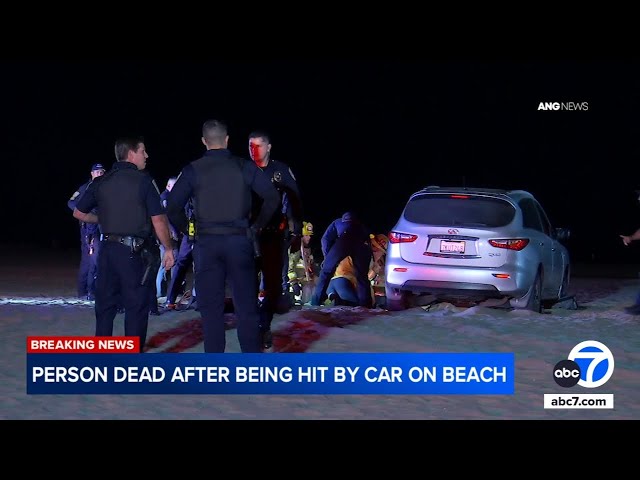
161, 277
89, 241
627, 240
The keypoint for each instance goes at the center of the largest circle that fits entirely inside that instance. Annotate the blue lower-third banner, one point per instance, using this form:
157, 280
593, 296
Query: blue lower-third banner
310, 373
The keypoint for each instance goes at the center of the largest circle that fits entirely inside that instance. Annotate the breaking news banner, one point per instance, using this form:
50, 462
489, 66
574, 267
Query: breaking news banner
105, 365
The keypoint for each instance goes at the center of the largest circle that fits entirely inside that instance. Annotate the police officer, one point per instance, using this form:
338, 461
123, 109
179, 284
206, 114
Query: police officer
89, 242
162, 273
128, 202
184, 261
345, 237
221, 187
281, 235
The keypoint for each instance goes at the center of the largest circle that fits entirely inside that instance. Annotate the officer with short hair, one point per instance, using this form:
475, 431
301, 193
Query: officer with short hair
89, 241
128, 202
281, 235
221, 185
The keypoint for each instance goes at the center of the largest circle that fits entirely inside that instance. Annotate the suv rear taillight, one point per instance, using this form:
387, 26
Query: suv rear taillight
516, 244
396, 237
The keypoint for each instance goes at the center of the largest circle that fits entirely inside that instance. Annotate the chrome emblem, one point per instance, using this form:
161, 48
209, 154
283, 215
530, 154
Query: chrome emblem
453, 231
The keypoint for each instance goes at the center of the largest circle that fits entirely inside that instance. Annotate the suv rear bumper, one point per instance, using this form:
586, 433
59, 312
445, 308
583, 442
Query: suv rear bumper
471, 283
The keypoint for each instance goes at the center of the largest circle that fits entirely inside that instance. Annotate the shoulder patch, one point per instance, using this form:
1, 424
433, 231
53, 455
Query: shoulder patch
292, 175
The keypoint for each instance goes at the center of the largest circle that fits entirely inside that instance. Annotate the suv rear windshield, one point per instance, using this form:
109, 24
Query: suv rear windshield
468, 210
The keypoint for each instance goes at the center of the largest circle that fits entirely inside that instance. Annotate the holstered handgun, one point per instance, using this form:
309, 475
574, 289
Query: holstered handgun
138, 245
150, 259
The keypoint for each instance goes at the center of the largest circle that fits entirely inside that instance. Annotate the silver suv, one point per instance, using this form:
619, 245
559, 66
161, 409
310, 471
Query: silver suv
474, 244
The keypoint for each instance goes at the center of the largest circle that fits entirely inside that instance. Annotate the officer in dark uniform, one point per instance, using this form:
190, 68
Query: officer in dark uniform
184, 261
161, 277
128, 202
89, 242
282, 234
221, 187
345, 237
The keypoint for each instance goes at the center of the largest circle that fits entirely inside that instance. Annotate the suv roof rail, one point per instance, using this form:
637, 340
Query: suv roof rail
503, 192
522, 192
498, 191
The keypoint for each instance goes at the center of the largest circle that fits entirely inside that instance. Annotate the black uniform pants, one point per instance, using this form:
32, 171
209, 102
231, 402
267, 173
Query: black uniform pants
270, 266
118, 283
218, 259
89, 249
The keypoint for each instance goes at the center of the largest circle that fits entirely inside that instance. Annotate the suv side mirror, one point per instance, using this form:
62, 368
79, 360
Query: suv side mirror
563, 234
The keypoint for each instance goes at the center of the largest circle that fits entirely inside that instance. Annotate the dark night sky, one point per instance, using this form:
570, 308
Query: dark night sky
357, 135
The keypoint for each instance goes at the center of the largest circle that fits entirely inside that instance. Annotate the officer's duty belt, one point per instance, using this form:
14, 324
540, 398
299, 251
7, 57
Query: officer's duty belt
128, 240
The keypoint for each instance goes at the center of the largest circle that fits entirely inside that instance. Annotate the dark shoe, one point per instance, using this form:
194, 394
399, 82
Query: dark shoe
633, 310
283, 305
188, 304
162, 309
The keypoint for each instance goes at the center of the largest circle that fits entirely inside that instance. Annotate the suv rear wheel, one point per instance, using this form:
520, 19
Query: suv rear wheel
535, 297
396, 305
396, 301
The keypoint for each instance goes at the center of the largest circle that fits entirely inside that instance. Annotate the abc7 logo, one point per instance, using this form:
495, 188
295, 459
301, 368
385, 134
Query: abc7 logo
597, 360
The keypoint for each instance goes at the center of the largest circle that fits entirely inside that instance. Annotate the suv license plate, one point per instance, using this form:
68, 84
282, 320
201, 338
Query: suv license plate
447, 246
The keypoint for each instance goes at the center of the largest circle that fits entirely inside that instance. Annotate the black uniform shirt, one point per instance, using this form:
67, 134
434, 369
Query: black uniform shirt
254, 179
291, 205
149, 194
